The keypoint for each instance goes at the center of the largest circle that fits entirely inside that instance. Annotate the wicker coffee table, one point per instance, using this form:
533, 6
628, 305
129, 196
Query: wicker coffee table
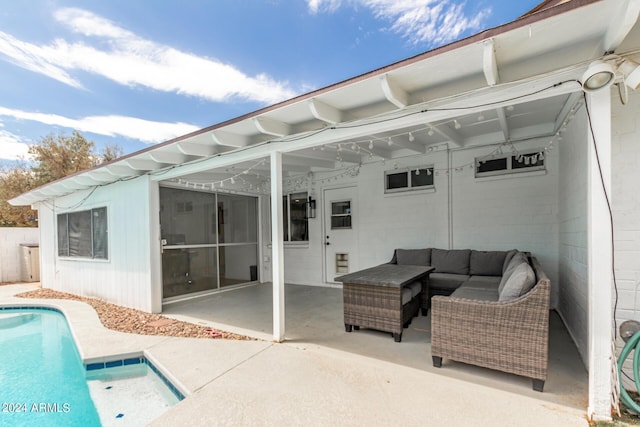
373, 297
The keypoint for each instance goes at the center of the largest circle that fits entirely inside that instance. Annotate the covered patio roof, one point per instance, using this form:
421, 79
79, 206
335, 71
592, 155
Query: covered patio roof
513, 82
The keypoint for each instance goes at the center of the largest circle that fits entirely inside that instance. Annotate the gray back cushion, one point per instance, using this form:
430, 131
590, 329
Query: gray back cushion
519, 283
413, 256
454, 261
484, 263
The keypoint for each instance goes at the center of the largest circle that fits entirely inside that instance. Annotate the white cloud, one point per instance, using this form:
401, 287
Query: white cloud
433, 22
34, 58
131, 60
129, 127
12, 146
316, 6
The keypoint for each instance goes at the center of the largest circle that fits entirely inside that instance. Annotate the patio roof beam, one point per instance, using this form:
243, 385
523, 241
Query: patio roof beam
120, 169
567, 109
191, 149
143, 164
293, 159
418, 115
271, 127
490, 63
169, 158
619, 27
394, 94
227, 139
450, 135
504, 125
99, 175
410, 145
325, 112
347, 155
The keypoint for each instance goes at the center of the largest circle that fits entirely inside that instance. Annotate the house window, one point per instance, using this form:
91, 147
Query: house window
341, 215
522, 162
408, 179
83, 234
295, 220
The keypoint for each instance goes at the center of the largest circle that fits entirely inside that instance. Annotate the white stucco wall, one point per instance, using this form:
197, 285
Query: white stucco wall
573, 239
497, 214
626, 207
126, 277
10, 250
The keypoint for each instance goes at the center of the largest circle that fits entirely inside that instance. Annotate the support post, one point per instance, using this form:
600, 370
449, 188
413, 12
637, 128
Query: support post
277, 244
600, 257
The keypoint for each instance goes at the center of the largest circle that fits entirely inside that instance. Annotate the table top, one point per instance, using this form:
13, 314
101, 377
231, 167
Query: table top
389, 275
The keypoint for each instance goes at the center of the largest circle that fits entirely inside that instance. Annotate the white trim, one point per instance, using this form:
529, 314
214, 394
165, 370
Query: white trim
277, 241
599, 259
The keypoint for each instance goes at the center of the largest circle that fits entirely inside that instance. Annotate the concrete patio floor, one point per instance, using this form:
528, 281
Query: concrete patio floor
321, 380
314, 319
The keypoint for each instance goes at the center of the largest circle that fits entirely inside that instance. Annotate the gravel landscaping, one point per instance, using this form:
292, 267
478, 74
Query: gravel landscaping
133, 321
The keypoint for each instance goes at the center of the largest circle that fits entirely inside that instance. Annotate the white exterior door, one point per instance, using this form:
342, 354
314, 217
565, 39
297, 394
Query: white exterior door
340, 232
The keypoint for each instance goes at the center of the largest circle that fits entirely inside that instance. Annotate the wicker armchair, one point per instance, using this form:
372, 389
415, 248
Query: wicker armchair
509, 336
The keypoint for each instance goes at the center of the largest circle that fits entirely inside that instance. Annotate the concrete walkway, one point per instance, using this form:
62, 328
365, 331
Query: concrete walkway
261, 383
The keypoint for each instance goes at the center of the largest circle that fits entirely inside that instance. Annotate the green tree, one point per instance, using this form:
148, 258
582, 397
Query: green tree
51, 158
56, 156
14, 182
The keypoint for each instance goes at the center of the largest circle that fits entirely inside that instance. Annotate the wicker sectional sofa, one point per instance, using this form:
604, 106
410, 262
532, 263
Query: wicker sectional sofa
489, 309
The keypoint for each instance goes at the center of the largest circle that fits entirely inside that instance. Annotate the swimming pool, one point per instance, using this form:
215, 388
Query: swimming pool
44, 382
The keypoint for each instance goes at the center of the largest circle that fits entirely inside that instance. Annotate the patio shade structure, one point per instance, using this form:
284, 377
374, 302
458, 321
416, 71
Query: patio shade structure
508, 84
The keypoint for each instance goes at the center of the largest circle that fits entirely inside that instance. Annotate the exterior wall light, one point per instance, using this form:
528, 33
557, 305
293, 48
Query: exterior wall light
312, 208
598, 76
631, 73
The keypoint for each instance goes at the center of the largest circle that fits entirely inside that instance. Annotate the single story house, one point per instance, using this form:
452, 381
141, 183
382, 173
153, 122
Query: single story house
522, 136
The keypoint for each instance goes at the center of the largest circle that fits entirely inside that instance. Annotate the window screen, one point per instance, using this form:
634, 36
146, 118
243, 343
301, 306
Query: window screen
83, 234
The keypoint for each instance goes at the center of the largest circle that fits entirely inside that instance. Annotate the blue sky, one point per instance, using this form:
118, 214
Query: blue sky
139, 72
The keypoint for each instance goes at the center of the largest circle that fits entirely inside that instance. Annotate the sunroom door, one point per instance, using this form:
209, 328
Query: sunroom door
209, 240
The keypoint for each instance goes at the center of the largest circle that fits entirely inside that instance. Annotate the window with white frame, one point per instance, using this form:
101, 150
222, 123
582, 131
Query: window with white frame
510, 163
295, 219
419, 178
83, 234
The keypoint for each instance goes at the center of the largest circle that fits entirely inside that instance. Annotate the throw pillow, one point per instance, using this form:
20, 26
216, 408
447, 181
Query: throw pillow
507, 259
516, 260
520, 282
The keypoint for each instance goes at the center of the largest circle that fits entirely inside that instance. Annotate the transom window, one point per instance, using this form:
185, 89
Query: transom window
408, 179
508, 164
83, 234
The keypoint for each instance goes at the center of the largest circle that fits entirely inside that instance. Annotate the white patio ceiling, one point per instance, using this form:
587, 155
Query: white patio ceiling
472, 92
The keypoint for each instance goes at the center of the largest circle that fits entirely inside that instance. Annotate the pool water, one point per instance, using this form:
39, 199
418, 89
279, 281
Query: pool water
42, 378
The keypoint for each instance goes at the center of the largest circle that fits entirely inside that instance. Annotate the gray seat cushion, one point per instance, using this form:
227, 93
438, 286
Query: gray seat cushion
476, 294
413, 256
492, 280
454, 261
446, 281
416, 288
480, 284
406, 295
519, 283
486, 263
